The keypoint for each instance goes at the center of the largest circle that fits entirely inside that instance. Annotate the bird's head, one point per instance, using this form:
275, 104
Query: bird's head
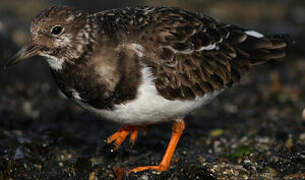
56, 33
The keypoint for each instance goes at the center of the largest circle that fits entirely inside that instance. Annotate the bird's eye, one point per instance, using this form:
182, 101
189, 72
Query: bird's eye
56, 30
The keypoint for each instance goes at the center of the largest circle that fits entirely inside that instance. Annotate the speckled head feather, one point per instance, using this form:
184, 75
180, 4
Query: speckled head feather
57, 32
62, 15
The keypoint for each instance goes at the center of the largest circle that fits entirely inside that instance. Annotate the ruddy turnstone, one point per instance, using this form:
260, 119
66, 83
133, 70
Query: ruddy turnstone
144, 65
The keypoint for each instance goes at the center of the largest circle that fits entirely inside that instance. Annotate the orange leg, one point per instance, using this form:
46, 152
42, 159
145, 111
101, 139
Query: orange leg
121, 135
133, 137
177, 131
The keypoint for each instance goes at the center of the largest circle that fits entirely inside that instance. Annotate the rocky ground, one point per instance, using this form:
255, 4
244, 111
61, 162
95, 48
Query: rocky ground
253, 131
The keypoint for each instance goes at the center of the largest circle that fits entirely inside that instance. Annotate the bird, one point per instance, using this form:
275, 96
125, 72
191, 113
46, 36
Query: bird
137, 66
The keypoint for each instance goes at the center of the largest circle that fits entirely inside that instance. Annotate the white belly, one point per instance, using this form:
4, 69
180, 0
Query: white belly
150, 107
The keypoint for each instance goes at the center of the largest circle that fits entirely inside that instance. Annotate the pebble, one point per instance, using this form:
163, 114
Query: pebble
156, 172
264, 140
302, 136
270, 173
216, 146
144, 177
18, 154
245, 177
92, 176
28, 109
62, 157
247, 161
216, 132
289, 143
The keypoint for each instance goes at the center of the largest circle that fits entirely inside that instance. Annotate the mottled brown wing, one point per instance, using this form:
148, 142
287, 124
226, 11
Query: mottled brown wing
191, 54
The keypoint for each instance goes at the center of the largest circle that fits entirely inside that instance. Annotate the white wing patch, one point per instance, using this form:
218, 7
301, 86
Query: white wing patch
190, 51
254, 34
207, 48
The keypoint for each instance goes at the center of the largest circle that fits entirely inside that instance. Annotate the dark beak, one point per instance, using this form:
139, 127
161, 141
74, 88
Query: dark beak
25, 53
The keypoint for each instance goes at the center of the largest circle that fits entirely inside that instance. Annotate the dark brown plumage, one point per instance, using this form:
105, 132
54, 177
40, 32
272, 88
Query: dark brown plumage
145, 65
190, 54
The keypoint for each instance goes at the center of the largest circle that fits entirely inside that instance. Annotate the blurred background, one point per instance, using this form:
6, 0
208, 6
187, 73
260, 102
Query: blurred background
255, 130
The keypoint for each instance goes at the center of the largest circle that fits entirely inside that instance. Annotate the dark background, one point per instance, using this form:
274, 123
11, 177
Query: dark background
255, 130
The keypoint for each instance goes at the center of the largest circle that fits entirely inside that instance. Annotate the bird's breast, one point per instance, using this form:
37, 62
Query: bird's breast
149, 106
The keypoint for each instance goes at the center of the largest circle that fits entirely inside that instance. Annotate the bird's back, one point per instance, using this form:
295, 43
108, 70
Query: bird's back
190, 54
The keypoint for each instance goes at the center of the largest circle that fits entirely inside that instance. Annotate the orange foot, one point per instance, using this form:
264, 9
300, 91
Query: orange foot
119, 137
177, 131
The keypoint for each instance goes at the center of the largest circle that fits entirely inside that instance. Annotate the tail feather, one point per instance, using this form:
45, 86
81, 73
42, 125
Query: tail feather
283, 37
264, 48
261, 55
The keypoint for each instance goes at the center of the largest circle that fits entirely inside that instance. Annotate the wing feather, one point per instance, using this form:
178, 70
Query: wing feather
192, 54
